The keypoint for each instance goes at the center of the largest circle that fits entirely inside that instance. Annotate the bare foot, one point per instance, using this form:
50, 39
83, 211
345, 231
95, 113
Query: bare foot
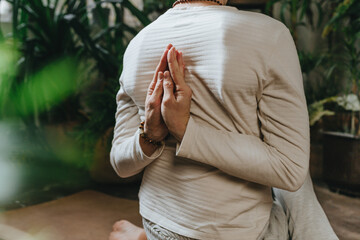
125, 230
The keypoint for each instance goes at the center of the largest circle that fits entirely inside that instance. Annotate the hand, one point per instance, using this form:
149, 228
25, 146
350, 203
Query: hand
175, 107
155, 126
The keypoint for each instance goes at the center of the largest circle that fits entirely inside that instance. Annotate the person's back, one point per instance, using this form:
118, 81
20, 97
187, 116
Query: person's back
227, 55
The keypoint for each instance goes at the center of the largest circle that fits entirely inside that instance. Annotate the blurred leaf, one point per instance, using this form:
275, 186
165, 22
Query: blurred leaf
320, 14
317, 111
269, 5
282, 12
304, 8
46, 88
8, 59
137, 13
300, 24
1, 35
341, 12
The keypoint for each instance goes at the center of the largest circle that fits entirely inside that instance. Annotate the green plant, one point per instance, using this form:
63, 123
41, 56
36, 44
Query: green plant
48, 30
157, 6
42, 35
50, 85
317, 110
299, 13
346, 21
105, 42
322, 75
45, 31
344, 25
306, 14
333, 67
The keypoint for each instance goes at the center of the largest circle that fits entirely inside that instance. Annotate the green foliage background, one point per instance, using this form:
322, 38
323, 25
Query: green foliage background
61, 63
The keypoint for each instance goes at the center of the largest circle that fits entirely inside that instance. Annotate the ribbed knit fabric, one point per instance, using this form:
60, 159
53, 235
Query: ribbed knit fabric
248, 128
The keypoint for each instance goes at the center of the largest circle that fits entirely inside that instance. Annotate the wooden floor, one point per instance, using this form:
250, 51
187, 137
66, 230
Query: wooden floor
88, 206
343, 213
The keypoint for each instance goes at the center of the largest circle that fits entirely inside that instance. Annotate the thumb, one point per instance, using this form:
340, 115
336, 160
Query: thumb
168, 87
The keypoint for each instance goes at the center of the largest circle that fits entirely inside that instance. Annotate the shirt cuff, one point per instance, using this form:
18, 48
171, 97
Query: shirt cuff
183, 149
141, 155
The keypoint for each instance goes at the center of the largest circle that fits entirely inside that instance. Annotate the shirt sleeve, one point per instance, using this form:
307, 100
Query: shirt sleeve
281, 157
126, 155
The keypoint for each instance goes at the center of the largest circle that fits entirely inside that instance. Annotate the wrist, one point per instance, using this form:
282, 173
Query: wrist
147, 149
179, 133
178, 136
149, 135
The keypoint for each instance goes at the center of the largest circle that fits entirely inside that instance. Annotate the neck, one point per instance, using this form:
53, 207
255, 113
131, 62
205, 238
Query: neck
197, 3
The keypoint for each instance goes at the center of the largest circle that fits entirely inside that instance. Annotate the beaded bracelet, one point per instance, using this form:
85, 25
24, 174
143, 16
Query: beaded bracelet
146, 138
184, 1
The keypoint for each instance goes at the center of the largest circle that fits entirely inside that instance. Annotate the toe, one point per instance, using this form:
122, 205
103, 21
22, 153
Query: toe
120, 225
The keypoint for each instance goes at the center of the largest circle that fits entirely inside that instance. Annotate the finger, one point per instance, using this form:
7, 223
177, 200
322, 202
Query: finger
168, 87
163, 60
172, 61
181, 62
151, 87
169, 46
177, 55
161, 67
158, 91
175, 70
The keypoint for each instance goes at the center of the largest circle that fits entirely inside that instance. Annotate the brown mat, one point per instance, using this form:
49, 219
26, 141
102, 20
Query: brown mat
90, 215
343, 213
87, 215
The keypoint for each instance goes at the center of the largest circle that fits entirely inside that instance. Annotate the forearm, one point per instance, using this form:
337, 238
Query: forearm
244, 156
129, 157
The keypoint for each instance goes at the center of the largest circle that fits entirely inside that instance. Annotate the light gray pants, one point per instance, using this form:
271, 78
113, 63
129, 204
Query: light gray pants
294, 215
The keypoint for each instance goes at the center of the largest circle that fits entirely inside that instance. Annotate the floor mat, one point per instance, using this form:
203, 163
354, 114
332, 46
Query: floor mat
86, 215
89, 215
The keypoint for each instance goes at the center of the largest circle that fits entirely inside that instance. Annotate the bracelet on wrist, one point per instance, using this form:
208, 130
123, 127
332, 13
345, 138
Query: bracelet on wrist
146, 138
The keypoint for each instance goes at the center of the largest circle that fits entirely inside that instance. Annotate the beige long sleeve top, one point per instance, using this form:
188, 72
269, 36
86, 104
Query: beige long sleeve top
248, 129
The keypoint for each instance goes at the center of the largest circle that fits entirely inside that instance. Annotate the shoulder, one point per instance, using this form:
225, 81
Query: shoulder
255, 18
258, 23
261, 30
140, 37
137, 38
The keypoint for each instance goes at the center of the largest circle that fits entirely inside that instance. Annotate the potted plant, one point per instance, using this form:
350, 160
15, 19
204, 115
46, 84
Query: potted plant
341, 138
46, 31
